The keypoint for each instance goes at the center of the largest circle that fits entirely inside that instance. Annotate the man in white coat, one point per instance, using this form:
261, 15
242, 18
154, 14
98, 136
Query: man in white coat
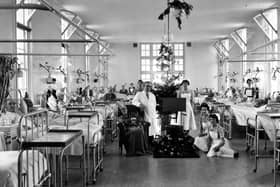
146, 100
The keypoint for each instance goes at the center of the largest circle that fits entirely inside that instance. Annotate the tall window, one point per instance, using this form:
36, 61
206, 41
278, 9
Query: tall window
268, 22
150, 69
22, 81
240, 37
22, 32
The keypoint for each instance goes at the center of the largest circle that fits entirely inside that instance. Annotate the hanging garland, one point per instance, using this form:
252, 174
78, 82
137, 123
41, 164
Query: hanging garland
8, 69
180, 7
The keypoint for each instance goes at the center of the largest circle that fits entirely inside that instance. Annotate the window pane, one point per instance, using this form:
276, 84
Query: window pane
179, 65
156, 48
156, 66
265, 21
145, 65
146, 77
145, 50
151, 69
178, 49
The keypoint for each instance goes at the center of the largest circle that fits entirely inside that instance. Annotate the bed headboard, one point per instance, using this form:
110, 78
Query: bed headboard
33, 125
33, 165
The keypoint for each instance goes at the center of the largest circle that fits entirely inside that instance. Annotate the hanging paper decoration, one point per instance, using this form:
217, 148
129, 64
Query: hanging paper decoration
180, 8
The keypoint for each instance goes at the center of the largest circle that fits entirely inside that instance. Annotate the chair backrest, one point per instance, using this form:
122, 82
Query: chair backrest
133, 111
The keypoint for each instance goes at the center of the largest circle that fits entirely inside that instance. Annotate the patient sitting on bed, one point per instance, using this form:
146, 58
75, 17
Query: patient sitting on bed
9, 117
219, 145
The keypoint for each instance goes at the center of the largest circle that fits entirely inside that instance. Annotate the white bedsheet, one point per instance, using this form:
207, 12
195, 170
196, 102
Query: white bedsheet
9, 167
95, 125
244, 112
267, 124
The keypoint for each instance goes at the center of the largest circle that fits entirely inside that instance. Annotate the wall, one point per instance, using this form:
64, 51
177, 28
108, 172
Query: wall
124, 67
201, 65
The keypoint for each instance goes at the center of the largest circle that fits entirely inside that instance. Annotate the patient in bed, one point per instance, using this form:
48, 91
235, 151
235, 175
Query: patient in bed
9, 117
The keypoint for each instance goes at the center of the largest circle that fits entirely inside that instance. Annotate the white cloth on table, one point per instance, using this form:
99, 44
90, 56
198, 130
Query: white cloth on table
189, 119
150, 115
9, 167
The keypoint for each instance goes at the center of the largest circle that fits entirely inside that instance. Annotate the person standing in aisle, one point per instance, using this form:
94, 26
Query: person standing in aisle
146, 101
188, 120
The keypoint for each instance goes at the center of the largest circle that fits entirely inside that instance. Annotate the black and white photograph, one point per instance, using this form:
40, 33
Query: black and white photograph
140, 93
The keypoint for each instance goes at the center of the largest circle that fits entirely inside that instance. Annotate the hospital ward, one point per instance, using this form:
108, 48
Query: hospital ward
140, 93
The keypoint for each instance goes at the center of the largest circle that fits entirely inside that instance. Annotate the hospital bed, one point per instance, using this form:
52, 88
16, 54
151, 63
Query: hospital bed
94, 139
26, 167
55, 141
109, 111
270, 121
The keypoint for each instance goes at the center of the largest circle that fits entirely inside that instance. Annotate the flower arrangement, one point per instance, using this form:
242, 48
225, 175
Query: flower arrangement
8, 69
180, 7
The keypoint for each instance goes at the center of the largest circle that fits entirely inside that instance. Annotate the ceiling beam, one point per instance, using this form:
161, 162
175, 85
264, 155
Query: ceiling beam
59, 14
45, 41
52, 54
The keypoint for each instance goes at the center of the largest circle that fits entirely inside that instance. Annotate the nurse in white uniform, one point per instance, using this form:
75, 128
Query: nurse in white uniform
146, 100
189, 119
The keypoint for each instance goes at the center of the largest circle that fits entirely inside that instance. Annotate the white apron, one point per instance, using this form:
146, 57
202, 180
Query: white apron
188, 121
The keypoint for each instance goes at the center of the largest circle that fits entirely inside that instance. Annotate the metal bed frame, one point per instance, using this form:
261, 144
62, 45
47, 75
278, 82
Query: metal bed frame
276, 140
48, 142
226, 121
41, 120
94, 151
110, 124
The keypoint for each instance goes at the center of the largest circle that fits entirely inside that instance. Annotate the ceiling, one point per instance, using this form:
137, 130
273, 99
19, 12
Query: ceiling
136, 20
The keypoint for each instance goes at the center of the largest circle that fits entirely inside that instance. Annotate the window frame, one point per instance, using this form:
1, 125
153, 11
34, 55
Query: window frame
152, 50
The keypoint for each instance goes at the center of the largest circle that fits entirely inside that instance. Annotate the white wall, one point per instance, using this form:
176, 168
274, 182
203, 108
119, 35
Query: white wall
124, 67
200, 67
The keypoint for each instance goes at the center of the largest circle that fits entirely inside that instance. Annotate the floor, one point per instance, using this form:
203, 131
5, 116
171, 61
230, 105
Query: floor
145, 171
